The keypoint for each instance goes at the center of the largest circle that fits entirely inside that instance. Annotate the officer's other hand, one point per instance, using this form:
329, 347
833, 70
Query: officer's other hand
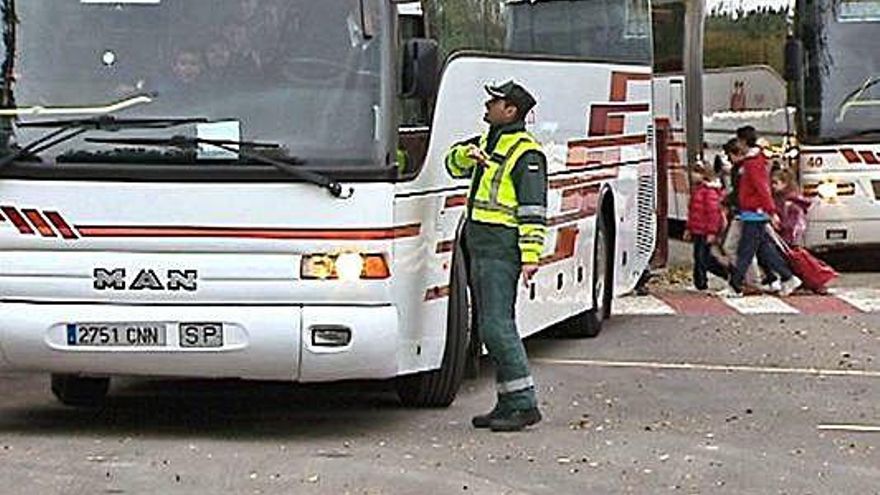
476, 153
528, 271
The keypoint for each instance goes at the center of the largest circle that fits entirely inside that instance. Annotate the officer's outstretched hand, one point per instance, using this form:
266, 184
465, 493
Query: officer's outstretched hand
528, 271
476, 153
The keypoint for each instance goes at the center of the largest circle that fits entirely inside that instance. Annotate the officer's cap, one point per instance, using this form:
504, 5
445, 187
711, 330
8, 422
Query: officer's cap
515, 94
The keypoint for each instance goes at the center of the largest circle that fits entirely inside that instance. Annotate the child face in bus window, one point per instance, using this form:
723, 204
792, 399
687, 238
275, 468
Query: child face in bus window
188, 66
218, 55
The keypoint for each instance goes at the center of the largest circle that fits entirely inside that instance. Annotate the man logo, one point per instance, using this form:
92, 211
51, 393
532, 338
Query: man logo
174, 280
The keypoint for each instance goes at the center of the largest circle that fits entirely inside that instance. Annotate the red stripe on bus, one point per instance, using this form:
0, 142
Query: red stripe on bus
405, 231
59, 223
17, 220
620, 83
576, 199
577, 181
565, 242
602, 117
588, 206
869, 157
445, 247
851, 156
455, 201
606, 142
435, 293
37, 221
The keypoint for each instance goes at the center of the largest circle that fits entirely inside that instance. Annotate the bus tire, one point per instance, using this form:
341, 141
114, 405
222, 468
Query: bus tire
79, 391
588, 324
437, 388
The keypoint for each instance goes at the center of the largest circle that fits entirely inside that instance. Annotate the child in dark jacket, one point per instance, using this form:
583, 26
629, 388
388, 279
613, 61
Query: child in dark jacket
705, 224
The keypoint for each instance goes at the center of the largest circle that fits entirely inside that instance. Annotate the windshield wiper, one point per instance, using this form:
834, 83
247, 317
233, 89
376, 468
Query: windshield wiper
852, 100
71, 128
290, 168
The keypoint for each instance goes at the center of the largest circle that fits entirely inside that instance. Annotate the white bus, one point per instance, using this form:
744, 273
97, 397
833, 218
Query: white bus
834, 64
235, 189
830, 116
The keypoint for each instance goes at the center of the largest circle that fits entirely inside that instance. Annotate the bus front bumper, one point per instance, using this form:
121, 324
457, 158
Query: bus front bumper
295, 343
829, 232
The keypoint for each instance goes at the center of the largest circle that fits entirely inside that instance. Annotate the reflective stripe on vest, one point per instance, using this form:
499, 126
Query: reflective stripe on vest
495, 199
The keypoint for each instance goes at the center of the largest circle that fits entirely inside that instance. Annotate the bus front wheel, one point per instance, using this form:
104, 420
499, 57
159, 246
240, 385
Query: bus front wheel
80, 391
588, 324
437, 388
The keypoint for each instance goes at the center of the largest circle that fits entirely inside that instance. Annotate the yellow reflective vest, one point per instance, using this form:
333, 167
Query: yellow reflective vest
493, 196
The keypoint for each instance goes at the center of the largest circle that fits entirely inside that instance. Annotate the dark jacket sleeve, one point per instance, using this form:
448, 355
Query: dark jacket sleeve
529, 177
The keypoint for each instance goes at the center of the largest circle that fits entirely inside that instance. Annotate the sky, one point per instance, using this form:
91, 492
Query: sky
748, 4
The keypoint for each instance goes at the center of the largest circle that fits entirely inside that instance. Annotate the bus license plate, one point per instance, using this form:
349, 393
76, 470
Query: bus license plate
201, 335
116, 334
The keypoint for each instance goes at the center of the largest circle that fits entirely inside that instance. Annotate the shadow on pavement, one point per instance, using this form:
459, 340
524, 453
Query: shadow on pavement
218, 409
862, 260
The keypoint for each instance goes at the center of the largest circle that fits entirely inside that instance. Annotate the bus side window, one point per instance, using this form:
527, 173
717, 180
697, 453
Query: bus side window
414, 114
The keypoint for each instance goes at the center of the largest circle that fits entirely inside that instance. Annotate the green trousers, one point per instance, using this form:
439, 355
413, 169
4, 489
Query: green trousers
493, 285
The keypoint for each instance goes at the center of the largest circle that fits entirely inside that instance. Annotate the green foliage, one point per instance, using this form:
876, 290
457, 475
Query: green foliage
466, 24
740, 37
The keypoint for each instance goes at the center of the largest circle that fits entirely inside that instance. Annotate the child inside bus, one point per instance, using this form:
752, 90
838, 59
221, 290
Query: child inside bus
705, 225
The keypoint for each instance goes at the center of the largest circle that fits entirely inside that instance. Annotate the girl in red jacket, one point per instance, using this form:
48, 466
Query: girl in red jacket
705, 224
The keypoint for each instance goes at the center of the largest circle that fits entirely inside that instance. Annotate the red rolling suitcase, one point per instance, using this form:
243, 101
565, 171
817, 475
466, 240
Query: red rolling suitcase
815, 274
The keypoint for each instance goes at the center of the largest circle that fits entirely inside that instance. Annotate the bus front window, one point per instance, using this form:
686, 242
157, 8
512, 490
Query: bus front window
299, 73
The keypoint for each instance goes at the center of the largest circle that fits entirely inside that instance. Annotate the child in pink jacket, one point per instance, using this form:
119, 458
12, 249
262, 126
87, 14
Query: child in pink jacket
791, 206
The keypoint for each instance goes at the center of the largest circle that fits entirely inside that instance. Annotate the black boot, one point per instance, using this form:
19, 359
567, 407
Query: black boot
484, 420
516, 420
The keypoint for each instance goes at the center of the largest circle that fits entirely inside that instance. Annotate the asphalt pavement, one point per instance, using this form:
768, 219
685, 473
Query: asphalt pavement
676, 404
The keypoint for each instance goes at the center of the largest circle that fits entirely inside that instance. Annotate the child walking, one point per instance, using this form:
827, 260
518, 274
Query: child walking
792, 208
705, 224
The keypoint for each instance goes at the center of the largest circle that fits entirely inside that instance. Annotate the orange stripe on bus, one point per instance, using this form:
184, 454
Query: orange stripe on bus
37, 220
565, 243
455, 201
404, 231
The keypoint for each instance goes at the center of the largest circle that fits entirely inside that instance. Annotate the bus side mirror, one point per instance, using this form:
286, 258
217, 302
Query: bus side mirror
794, 59
419, 78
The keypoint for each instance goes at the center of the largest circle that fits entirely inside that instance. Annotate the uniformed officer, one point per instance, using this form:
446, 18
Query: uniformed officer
504, 236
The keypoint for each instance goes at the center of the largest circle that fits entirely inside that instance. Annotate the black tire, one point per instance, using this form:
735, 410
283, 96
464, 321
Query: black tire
78, 391
589, 323
437, 388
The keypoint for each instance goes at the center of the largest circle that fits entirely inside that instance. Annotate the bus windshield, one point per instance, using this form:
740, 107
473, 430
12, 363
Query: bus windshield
842, 97
302, 74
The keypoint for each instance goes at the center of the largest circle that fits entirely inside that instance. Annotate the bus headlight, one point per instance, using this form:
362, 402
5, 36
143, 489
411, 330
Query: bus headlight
827, 190
349, 266
344, 266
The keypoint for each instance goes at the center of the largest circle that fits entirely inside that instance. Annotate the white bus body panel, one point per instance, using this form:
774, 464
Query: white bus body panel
847, 220
245, 241
567, 92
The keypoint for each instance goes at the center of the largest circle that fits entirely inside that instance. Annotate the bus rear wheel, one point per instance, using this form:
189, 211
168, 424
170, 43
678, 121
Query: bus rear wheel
588, 324
437, 388
80, 391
